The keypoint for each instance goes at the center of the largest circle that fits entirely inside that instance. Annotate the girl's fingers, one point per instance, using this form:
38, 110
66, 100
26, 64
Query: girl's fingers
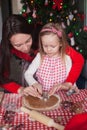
39, 89
30, 91
59, 87
52, 91
76, 89
33, 91
37, 92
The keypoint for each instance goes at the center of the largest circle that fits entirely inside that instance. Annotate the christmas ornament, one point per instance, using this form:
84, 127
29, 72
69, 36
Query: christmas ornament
70, 35
63, 25
81, 16
24, 14
71, 16
34, 13
73, 2
51, 14
72, 40
77, 48
68, 22
85, 28
28, 10
75, 11
57, 4
46, 2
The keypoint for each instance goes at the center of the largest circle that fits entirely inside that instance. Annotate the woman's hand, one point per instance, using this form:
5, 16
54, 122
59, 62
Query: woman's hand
34, 90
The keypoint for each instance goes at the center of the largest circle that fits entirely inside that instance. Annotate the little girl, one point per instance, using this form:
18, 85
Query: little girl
51, 68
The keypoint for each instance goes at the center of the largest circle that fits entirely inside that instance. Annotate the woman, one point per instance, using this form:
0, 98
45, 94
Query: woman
15, 52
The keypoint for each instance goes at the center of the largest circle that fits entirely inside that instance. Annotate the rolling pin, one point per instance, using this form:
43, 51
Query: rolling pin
42, 118
1, 96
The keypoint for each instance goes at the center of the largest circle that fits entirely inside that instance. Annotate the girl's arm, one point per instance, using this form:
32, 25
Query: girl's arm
29, 74
77, 64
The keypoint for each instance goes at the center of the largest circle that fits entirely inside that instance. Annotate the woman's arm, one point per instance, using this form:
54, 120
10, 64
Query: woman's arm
11, 87
77, 64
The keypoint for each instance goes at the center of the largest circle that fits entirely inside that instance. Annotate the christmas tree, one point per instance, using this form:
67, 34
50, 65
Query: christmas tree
64, 11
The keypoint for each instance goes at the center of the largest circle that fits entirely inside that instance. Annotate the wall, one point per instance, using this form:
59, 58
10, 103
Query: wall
6, 9
0, 24
85, 11
16, 6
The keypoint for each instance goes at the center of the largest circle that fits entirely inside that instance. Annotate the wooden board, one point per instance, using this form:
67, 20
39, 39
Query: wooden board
34, 103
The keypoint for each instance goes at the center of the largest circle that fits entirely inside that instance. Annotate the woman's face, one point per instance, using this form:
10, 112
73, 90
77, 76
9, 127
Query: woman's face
21, 42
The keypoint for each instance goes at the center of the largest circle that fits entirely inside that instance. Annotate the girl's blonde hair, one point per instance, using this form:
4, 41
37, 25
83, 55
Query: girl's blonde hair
56, 29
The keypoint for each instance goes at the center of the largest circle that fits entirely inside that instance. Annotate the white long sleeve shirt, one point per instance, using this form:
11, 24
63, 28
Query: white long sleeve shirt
36, 64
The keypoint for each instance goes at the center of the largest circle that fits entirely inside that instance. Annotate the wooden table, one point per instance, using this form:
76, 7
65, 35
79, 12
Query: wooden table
11, 114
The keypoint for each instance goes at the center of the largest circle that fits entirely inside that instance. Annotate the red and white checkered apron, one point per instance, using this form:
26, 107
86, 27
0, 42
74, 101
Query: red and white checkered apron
51, 72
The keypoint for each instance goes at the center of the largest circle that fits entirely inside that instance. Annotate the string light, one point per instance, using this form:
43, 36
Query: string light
66, 17
50, 20
74, 19
77, 33
32, 1
23, 10
29, 20
64, 6
81, 51
20, 12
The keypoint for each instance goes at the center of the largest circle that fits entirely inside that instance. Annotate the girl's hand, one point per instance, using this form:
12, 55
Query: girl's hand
34, 90
68, 86
38, 88
53, 90
64, 86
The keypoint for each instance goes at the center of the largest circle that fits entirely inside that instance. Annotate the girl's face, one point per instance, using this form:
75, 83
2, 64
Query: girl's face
21, 42
51, 45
